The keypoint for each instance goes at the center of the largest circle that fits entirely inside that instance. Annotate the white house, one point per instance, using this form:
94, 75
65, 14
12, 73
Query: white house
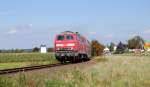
106, 51
115, 47
43, 49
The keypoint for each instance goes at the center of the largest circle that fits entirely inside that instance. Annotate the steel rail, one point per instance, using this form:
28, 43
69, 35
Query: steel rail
22, 69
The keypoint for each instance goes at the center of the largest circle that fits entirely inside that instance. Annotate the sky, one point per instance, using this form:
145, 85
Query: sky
30, 23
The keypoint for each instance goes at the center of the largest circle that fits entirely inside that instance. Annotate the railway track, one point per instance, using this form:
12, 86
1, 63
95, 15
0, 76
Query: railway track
22, 69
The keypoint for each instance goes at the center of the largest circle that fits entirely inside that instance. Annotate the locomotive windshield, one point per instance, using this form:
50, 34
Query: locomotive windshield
60, 37
69, 37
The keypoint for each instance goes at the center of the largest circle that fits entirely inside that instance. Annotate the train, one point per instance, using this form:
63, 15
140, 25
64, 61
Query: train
71, 46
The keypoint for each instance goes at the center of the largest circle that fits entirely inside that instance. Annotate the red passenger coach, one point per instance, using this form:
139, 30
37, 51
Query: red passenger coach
71, 46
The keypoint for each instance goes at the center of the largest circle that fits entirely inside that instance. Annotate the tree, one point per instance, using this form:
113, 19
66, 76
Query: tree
135, 42
50, 50
111, 47
35, 49
18, 51
120, 48
97, 48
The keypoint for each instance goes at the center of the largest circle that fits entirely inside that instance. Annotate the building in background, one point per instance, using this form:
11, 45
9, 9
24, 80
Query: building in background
115, 47
106, 51
43, 49
147, 46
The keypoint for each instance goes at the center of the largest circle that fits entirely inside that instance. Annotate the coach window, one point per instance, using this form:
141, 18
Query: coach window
60, 37
69, 37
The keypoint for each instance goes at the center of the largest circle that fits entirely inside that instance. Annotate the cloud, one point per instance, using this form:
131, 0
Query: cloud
109, 36
14, 29
30, 25
92, 33
12, 32
147, 31
27, 26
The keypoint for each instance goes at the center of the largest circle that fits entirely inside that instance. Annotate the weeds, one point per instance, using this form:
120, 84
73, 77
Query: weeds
102, 59
120, 71
5, 82
22, 80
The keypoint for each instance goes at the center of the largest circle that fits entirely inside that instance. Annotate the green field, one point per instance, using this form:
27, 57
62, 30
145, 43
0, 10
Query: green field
14, 60
107, 71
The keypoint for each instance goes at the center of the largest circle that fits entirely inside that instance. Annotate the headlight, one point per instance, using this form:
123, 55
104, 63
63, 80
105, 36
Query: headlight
59, 45
70, 44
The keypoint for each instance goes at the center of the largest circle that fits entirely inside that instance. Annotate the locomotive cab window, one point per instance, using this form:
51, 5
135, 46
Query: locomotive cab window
60, 37
69, 37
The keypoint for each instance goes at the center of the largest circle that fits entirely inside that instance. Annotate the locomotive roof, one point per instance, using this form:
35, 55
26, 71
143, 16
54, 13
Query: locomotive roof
69, 32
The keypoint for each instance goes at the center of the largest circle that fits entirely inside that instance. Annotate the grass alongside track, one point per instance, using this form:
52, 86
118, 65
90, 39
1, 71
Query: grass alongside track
25, 57
136, 54
12, 65
108, 71
22, 64
15, 60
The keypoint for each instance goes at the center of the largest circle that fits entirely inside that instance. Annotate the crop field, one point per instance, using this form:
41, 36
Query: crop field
14, 60
107, 71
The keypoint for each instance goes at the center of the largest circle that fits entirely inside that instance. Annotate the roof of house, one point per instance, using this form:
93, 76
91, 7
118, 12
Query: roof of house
147, 44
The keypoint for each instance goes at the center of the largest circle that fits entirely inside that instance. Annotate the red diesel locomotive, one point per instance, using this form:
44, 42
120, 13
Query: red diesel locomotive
71, 46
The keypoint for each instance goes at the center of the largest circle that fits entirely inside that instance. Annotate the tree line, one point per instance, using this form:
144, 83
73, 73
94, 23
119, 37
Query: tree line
135, 42
35, 49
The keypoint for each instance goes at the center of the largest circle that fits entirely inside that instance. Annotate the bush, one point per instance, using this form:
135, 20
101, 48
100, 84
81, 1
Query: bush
36, 49
97, 48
